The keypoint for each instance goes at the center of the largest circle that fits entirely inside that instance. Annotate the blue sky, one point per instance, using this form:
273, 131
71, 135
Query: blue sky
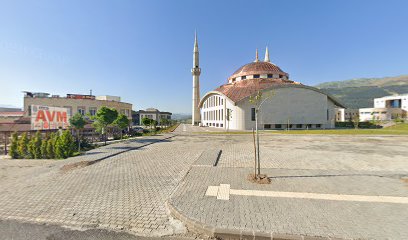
142, 50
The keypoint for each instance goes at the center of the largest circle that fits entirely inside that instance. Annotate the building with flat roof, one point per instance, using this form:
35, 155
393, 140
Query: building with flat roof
346, 114
10, 115
386, 108
151, 113
76, 103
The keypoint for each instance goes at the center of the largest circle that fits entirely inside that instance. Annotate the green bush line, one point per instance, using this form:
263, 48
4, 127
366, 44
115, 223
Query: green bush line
53, 146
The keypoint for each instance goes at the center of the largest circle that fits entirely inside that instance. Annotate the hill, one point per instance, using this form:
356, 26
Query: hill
359, 93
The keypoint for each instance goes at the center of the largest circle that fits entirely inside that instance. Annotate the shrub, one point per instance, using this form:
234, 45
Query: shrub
65, 145
14, 146
85, 143
22, 146
44, 145
34, 146
50, 145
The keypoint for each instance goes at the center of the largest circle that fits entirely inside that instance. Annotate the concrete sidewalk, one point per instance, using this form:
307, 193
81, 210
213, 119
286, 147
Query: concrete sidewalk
266, 217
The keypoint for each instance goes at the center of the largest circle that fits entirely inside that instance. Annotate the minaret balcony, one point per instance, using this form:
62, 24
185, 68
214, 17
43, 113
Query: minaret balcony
196, 71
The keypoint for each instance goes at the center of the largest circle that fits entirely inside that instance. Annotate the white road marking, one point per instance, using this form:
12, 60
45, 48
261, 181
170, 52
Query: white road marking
184, 128
223, 192
212, 191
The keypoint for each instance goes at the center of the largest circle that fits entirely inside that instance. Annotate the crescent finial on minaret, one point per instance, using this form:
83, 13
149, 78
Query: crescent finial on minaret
256, 56
267, 55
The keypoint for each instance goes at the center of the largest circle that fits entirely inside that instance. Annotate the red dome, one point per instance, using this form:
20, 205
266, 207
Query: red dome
258, 68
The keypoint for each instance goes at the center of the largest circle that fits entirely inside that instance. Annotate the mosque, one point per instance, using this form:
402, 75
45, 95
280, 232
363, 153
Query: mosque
286, 104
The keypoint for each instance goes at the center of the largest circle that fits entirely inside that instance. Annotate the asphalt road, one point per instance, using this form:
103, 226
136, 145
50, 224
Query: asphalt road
14, 230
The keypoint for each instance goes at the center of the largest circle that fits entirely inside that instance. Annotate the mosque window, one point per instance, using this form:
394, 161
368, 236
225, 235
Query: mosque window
270, 75
280, 76
318, 125
253, 114
243, 77
298, 125
256, 75
278, 125
267, 126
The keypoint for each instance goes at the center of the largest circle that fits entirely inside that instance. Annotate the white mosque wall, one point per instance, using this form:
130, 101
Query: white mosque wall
213, 111
298, 107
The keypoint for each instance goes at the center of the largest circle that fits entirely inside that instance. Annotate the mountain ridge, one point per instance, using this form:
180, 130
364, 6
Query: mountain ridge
360, 92
360, 82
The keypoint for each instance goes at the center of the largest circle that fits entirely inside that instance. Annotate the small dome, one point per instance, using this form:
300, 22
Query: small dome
258, 68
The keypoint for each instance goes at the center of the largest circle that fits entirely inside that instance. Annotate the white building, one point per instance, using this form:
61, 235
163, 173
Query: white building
346, 114
290, 104
398, 101
151, 113
386, 109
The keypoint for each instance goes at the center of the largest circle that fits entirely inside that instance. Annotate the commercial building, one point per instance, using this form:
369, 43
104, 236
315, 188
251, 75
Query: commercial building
151, 113
76, 103
287, 104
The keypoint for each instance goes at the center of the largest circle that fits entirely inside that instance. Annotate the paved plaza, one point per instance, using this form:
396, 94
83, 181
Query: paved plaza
123, 192
156, 186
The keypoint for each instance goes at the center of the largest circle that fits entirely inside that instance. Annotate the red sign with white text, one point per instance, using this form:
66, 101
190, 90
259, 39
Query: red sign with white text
43, 117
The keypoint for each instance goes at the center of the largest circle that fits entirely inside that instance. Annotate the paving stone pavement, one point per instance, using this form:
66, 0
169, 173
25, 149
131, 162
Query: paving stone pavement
128, 189
349, 220
372, 153
123, 192
349, 165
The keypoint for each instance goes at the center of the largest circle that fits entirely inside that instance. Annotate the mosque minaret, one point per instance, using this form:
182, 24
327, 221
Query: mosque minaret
196, 71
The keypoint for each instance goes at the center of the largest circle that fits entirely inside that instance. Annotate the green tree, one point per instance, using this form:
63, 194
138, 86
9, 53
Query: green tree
164, 122
122, 122
14, 146
146, 121
44, 144
34, 146
356, 121
153, 124
65, 145
78, 123
22, 146
104, 117
52, 140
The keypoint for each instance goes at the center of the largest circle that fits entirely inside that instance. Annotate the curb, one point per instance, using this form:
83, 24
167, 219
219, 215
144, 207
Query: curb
230, 234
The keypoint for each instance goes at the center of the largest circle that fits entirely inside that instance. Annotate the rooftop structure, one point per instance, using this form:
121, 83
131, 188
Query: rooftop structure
76, 103
151, 113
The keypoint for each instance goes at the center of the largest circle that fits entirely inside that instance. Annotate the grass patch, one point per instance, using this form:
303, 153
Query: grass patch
171, 128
